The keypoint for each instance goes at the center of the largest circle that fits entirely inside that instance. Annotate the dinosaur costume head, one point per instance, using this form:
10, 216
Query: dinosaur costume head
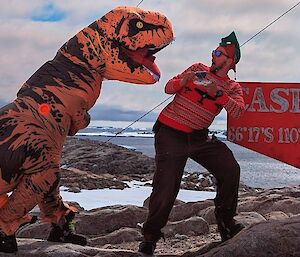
122, 43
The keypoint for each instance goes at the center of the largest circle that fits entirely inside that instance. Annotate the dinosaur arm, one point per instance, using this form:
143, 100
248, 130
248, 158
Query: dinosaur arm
79, 121
79, 116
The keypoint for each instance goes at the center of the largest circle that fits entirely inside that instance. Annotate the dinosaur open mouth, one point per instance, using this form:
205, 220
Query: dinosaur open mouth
144, 57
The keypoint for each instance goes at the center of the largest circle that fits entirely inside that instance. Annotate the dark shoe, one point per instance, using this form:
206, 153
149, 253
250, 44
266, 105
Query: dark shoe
147, 247
229, 229
64, 232
8, 244
235, 228
227, 225
224, 231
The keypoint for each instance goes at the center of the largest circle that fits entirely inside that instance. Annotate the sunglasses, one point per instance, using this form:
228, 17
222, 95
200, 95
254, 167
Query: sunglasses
218, 53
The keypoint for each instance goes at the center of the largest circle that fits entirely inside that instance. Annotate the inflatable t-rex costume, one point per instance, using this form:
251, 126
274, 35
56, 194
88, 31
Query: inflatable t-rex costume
54, 103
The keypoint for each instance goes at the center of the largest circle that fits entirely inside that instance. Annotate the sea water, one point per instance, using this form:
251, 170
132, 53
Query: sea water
257, 170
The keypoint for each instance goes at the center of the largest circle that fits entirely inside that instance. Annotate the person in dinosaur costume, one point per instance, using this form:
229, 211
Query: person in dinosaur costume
54, 103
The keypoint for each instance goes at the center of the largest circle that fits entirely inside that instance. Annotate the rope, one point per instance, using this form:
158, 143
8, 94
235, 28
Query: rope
271, 23
138, 119
255, 35
139, 3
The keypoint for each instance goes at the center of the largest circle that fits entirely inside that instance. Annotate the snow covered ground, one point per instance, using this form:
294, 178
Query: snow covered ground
135, 195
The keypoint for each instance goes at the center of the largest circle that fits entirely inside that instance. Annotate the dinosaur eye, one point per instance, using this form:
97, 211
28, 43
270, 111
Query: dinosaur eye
139, 25
135, 26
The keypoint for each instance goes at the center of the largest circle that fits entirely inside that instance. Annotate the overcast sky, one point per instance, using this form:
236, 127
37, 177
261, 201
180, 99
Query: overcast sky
31, 31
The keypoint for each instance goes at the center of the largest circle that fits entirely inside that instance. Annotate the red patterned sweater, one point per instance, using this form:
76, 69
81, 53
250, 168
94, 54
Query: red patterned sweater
193, 109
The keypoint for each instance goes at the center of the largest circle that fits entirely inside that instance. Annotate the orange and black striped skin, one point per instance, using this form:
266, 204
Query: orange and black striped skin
54, 102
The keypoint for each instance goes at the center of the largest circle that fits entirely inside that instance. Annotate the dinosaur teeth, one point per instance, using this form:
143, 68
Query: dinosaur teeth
155, 76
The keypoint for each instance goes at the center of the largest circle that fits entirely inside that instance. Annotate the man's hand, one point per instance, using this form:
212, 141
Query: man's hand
212, 89
189, 76
214, 86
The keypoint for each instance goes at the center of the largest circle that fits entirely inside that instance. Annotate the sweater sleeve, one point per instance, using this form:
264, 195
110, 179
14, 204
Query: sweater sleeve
173, 86
233, 101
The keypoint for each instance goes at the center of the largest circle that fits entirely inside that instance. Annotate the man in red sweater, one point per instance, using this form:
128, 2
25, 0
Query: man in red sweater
181, 132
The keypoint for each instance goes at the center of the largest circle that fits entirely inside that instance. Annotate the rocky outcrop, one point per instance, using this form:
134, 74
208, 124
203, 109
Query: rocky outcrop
186, 210
76, 180
39, 248
278, 238
104, 158
187, 227
191, 231
88, 164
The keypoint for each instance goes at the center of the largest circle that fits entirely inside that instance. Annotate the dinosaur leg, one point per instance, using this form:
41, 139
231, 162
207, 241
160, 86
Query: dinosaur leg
8, 242
3, 199
38, 188
5, 188
14, 211
61, 216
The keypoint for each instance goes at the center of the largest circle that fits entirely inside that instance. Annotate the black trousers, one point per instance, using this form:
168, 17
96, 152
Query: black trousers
173, 148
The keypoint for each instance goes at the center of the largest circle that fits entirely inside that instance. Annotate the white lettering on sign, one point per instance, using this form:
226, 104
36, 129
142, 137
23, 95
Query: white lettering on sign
281, 100
264, 134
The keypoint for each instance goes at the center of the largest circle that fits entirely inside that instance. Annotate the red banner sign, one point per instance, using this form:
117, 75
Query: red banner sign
271, 123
